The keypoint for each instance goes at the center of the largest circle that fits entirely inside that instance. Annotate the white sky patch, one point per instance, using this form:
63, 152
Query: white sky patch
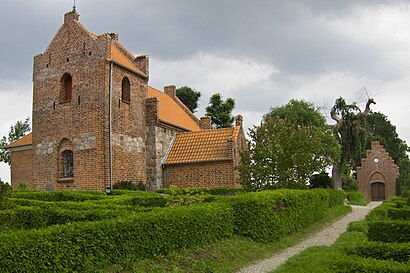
382, 26
15, 106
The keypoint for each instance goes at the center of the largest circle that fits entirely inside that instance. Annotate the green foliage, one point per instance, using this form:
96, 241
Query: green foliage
399, 252
269, 215
129, 185
356, 198
77, 196
398, 213
357, 264
189, 97
200, 191
292, 143
5, 192
389, 231
220, 111
320, 180
16, 131
85, 246
360, 226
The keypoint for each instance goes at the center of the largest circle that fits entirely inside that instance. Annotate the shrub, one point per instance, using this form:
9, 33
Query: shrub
356, 198
357, 264
398, 214
129, 185
389, 231
399, 252
360, 226
78, 196
5, 190
84, 247
268, 215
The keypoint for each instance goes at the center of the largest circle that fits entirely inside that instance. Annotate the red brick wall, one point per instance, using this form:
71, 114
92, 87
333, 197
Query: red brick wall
22, 168
201, 175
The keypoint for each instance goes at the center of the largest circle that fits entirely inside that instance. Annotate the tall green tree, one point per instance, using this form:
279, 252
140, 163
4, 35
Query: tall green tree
16, 131
189, 97
292, 143
220, 111
351, 132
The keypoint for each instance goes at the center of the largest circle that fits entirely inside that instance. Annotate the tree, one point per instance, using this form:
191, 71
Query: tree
292, 143
320, 180
16, 131
350, 131
220, 111
189, 97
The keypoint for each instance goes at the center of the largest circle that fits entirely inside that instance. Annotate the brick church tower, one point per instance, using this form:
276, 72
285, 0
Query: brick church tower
88, 90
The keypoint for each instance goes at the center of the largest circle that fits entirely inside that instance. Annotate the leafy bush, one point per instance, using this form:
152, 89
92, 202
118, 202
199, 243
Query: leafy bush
78, 196
389, 231
398, 214
268, 215
86, 246
360, 226
129, 185
369, 265
399, 252
356, 198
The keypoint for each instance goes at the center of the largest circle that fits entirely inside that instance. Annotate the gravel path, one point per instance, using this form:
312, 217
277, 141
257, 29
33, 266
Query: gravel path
325, 237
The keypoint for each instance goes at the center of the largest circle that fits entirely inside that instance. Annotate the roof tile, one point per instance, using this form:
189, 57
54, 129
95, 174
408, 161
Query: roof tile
208, 145
170, 112
23, 141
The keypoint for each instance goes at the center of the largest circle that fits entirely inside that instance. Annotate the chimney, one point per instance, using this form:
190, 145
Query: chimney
238, 120
205, 123
170, 90
71, 15
113, 35
142, 62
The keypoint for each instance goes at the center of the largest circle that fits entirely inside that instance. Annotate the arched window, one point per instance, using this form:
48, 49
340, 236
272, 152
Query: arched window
68, 166
66, 88
126, 90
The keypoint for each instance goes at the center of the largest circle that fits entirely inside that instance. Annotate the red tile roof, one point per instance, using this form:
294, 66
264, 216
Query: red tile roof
23, 141
171, 112
118, 57
208, 145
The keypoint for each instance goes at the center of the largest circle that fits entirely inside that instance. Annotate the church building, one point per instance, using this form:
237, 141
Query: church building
97, 122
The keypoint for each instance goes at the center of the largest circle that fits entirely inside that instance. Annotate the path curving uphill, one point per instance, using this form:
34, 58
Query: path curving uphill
325, 237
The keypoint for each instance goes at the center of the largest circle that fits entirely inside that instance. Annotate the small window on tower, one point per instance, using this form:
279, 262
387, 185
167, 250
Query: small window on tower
66, 88
126, 90
68, 166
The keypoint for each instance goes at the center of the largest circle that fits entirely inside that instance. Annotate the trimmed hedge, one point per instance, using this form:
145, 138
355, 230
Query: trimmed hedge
389, 231
78, 196
85, 247
269, 215
399, 252
368, 265
360, 226
37, 217
398, 214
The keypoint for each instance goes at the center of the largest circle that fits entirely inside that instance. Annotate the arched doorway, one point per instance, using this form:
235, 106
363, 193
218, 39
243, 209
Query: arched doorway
378, 193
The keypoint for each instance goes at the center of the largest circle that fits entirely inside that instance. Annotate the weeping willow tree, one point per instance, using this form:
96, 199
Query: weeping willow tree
350, 131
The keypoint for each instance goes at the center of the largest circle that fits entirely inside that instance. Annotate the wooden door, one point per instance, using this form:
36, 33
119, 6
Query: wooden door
378, 191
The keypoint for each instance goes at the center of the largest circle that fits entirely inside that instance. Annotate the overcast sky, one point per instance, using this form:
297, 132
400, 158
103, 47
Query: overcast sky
261, 53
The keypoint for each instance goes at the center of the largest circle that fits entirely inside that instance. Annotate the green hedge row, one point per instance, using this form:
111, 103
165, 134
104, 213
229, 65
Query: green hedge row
77, 196
38, 217
399, 252
368, 265
86, 246
389, 231
398, 213
201, 191
269, 215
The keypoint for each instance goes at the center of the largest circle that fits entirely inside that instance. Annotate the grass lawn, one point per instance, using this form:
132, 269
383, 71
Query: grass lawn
228, 255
